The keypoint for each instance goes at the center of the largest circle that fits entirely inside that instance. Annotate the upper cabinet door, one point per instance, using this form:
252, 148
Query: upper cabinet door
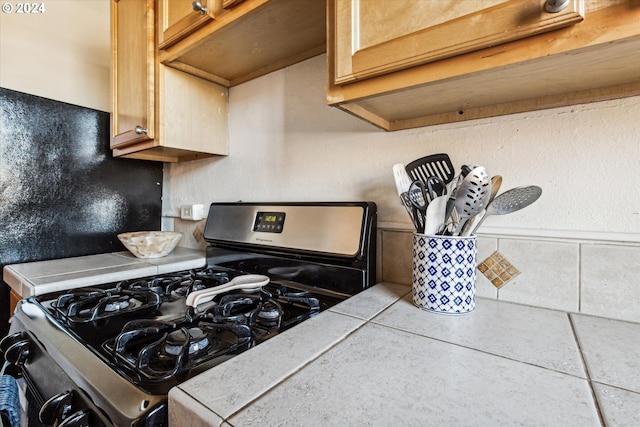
179, 18
375, 37
133, 71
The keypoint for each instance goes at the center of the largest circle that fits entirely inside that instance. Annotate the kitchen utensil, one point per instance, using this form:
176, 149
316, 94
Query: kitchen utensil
247, 282
472, 195
434, 217
421, 194
451, 190
496, 182
511, 201
418, 197
403, 182
436, 187
438, 165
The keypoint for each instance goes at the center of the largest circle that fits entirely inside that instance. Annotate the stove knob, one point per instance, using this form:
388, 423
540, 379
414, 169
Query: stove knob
56, 409
18, 353
10, 340
77, 419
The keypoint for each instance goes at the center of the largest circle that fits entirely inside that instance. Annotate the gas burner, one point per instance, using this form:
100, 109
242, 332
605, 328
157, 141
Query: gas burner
203, 279
174, 286
212, 276
197, 339
121, 304
165, 351
303, 298
140, 285
270, 313
91, 305
239, 309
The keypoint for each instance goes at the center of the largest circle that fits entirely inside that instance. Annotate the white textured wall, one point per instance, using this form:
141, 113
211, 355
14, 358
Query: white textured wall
287, 144
62, 53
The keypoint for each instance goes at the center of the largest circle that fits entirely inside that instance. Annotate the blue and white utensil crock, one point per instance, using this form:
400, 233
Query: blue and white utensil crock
444, 273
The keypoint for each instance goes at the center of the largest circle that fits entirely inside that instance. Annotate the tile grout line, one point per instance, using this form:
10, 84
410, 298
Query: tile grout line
295, 371
479, 350
310, 361
586, 371
579, 279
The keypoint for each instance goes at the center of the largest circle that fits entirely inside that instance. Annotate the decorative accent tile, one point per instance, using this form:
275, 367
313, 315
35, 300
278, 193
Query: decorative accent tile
498, 269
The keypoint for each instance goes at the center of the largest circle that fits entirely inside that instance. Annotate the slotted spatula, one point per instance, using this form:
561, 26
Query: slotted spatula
434, 165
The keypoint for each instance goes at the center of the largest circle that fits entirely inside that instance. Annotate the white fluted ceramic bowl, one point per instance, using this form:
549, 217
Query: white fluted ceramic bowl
150, 244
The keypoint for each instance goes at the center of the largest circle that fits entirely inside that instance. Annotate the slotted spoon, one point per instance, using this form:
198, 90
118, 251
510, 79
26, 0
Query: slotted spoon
511, 201
496, 182
472, 195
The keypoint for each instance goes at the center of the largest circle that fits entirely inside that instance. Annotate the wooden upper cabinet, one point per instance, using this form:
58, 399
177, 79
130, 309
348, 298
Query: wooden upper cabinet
248, 39
402, 64
179, 18
375, 37
159, 113
133, 76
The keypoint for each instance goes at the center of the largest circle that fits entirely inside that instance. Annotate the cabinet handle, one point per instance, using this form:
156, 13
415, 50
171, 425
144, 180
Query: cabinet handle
140, 130
555, 6
198, 7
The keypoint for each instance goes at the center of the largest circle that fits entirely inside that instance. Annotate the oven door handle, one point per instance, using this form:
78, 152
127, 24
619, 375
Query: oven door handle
247, 282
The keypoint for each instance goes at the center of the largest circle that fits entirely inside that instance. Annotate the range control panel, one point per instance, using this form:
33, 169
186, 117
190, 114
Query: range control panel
269, 222
335, 228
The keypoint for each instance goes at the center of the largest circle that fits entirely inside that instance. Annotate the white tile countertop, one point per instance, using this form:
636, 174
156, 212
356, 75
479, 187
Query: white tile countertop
40, 277
378, 360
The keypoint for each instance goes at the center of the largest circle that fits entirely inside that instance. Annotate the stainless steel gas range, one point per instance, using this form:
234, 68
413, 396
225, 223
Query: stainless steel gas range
107, 355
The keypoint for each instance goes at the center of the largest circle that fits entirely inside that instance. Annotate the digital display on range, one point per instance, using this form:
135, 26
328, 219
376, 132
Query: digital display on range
269, 222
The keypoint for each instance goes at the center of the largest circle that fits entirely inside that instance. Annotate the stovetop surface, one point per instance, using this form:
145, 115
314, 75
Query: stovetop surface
144, 330
122, 346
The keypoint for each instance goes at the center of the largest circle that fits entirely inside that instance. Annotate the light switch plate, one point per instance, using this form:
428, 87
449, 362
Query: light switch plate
192, 212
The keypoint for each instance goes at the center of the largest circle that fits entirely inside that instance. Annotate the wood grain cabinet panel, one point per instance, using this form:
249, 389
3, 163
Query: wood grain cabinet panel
250, 38
14, 298
133, 76
402, 64
382, 36
179, 18
159, 113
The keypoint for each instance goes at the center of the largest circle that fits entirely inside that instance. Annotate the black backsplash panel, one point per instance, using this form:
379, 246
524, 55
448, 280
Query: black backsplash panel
62, 194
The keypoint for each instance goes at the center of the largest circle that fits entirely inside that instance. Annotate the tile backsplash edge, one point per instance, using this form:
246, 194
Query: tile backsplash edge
535, 234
